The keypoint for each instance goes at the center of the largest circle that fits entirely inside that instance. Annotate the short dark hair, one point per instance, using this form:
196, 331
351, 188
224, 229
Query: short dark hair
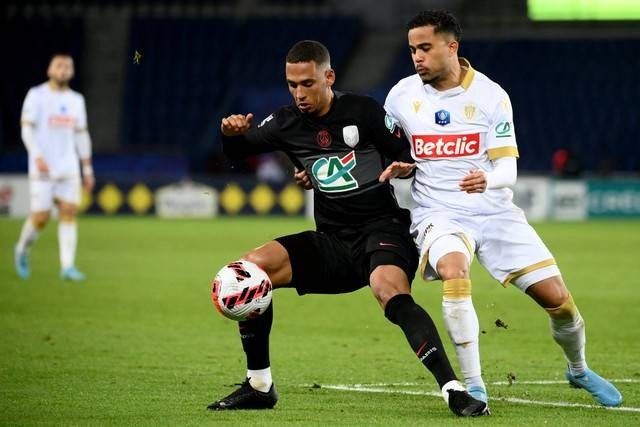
307, 51
61, 54
441, 21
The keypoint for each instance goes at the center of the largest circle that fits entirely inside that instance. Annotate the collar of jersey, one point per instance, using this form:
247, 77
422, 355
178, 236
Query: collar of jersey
463, 86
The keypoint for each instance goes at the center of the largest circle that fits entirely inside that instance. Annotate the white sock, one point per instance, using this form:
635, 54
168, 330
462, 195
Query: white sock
453, 384
570, 335
260, 379
28, 235
67, 241
461, 321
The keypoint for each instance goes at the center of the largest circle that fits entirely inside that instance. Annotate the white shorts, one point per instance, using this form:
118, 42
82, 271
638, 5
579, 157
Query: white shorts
45, 191
505, 244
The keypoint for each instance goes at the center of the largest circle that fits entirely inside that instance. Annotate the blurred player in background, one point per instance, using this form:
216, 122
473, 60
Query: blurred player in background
460, 126
54, 131
362, 235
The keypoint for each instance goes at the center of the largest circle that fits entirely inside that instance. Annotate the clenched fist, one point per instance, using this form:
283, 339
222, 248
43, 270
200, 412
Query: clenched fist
236, 124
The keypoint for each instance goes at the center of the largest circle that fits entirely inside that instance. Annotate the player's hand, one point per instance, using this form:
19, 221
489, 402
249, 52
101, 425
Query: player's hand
474, 182
396, 169
302, 179
88, 182
236, 124
42, 166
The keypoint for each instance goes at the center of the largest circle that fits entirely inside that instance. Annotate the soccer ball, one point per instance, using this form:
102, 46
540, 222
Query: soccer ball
241, 290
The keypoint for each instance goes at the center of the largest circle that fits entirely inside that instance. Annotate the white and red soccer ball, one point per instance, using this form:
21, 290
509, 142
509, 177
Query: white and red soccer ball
241, 290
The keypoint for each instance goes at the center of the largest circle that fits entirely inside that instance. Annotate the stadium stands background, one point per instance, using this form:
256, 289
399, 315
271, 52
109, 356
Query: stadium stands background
572, 86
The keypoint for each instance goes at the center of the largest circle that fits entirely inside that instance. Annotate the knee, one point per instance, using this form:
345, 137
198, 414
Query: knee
274, 260
40, 219
387, 282
551, 293
457, 269
68, 212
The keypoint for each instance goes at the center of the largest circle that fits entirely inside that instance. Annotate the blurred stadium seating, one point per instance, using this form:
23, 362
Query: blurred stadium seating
202, 59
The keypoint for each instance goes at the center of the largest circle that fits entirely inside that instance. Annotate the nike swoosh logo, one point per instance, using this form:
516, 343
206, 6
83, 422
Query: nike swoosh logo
387, 244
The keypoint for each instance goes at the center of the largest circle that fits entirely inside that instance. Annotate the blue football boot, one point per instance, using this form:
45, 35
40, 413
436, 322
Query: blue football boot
602, 390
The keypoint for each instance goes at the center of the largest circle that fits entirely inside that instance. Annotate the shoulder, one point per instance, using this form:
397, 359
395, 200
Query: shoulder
37, 90
408, 84
76, 95
356, 102
279, 118
490, 92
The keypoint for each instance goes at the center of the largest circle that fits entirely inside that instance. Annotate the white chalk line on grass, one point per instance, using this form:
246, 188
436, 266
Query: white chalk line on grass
514, 382
382, 388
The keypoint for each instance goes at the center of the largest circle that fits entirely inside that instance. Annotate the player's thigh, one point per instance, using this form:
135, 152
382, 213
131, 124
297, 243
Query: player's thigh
512, 251
273, 258
67, 193
322, 264
392, 258
41, 195
431, 227
450, 256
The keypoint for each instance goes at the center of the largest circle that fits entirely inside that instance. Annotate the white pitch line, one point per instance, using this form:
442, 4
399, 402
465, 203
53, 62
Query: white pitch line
365, 389
514, 382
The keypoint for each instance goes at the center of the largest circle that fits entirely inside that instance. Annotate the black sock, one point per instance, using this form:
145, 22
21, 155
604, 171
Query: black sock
254, 334
422, 336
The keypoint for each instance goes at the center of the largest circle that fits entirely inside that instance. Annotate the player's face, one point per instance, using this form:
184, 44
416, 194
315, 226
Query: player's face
431, 53
310, 86
61, 70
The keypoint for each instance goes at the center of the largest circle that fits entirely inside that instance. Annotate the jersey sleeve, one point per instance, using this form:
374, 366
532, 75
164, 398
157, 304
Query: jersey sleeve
81, 122
29, 113
386, 135
262, 138
501, 138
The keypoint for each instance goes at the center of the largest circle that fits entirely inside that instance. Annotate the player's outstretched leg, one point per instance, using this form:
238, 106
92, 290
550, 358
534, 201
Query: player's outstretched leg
423, 337
28, 235
568, 330
258, 390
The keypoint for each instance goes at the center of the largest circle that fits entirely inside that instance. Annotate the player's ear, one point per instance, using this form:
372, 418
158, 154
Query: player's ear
453, 47
330, 75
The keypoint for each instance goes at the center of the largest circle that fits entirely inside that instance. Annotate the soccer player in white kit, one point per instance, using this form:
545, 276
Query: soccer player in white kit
54, 131
460, 127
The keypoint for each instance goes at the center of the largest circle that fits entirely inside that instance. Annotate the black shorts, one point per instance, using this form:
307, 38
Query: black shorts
335, 263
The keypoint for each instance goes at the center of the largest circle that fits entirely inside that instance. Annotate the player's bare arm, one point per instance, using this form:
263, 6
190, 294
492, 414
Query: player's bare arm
474, 182
236, 124
88, 179
397, 170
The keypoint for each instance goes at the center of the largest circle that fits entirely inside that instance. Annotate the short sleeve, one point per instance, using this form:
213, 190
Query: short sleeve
501, 138
30, 108
81, 122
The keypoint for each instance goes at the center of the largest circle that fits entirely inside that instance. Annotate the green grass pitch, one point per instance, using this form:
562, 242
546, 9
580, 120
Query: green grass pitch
139, 342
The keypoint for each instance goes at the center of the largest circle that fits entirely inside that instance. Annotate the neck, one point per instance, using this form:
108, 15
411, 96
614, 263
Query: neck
54, 85
452, 79
325, 109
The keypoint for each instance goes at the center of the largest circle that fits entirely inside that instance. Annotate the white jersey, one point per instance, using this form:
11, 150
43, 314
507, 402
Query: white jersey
452, 132
56, 116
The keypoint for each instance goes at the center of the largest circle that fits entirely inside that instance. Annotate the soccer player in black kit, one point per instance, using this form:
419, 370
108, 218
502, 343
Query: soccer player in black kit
362, 235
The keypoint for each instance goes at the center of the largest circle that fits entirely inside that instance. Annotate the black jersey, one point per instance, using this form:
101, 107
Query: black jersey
343, 153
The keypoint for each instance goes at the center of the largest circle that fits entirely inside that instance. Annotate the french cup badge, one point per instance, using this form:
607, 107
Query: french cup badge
350, 135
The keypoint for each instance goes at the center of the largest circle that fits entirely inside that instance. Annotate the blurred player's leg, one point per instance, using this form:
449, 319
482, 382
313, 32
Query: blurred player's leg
68, 193
41, 202
568, 330
451, 257
28, 235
